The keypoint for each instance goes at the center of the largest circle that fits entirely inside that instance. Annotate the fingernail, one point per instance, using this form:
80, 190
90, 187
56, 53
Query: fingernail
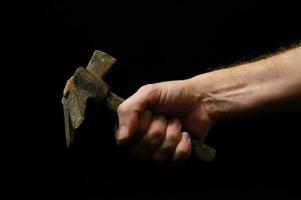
186, 135
122, 133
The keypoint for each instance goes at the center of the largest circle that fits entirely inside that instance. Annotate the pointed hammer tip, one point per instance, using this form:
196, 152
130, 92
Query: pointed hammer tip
69, 142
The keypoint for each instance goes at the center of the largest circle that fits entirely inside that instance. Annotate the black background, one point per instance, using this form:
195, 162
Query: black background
152, 41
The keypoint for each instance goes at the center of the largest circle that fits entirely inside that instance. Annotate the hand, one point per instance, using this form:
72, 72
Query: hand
154, 121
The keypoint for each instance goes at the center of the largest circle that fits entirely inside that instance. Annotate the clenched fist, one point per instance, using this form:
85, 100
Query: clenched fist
156, 120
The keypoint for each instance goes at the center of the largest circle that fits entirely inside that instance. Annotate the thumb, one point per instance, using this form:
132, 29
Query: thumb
130, 111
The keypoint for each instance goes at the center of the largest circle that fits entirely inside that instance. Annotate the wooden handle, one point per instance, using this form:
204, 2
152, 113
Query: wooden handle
199, 149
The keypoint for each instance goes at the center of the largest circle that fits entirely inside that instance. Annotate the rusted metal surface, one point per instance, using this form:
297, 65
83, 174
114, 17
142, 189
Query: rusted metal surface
83, 85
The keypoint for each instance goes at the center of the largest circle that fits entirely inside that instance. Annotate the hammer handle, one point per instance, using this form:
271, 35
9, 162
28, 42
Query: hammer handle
199, 149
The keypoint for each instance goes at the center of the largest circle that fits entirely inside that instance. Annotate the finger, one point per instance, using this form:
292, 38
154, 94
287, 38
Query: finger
172, 137
130, 109
152, 138
143, 123
127, 128
183, 150
145, 120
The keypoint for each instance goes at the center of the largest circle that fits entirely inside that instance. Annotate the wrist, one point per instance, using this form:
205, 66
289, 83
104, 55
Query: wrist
226, 94
268, 85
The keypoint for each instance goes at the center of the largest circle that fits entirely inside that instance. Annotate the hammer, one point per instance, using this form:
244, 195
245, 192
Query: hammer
87, 83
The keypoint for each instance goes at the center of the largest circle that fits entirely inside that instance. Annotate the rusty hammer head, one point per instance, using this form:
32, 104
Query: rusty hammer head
86, 83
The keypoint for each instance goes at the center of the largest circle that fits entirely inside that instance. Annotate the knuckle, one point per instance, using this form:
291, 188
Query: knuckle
173, 137
156, 137
183, 153
156, 132
177, 123
161, 120
121, 108
147, 88
174, 125
151, 90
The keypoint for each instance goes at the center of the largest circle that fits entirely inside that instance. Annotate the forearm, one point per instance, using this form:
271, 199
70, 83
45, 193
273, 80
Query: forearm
271, 84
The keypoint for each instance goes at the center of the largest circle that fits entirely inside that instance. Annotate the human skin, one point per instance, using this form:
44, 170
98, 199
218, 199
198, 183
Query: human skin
156, 120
